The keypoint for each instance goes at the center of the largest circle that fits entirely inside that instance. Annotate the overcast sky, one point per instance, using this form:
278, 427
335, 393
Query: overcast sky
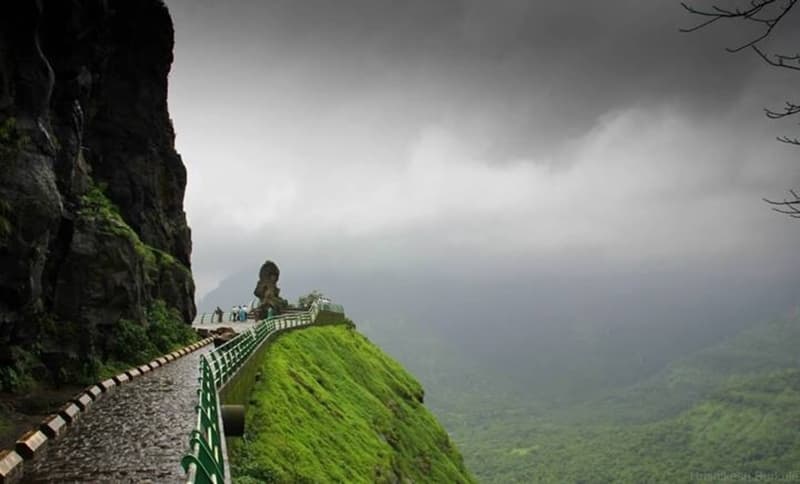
418, 144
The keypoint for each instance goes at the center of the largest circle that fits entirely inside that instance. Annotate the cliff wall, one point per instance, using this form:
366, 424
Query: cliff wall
92, 226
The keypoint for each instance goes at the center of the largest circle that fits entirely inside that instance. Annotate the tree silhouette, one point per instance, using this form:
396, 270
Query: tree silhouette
766, 15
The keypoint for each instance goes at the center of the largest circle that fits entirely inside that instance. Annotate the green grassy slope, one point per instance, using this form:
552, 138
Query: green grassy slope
332, 407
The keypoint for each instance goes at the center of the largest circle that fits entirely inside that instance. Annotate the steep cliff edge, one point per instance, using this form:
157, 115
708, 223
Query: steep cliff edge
93, 235
332, 407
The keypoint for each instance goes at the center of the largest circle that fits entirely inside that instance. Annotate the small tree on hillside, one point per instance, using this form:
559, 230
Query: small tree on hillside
765, 16
305, 302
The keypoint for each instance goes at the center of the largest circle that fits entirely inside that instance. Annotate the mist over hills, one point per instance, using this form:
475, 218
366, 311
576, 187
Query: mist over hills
504, 360
597, 326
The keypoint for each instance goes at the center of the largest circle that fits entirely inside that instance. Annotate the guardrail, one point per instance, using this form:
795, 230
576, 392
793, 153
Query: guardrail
206, 462
227, 315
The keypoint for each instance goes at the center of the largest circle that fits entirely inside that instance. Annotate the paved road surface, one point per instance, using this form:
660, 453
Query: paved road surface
137, 432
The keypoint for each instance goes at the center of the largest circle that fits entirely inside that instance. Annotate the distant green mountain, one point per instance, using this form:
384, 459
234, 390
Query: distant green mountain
747, 428
728, 412
755, 351
332, 407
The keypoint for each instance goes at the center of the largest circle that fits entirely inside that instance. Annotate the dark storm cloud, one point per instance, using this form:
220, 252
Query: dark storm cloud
481, 155
538, 73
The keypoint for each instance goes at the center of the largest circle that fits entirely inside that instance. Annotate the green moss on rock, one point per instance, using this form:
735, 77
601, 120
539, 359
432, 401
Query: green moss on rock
96, 205
11, 140
332, 407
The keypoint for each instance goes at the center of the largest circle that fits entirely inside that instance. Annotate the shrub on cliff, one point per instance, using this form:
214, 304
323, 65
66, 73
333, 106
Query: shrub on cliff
305, 302
166, 331
135, 343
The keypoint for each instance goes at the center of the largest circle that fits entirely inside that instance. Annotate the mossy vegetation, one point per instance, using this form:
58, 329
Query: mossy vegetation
332, 407
135, 343
65, 352
8, 130
19, 375
96, 205
11, 140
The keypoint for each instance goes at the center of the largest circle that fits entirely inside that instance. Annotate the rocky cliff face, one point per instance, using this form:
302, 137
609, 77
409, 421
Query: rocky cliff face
92, 227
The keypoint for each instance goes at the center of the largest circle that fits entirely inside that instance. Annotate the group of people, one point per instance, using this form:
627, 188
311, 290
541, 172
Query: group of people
238, 313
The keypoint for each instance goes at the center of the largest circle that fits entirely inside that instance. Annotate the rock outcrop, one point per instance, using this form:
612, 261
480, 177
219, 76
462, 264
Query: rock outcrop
267, 290
92, 227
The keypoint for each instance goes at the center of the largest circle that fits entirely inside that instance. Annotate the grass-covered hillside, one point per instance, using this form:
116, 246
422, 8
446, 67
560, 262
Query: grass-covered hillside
332, 407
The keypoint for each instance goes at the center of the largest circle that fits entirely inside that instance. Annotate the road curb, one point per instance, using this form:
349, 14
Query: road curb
11, 466
30, 443
53, 426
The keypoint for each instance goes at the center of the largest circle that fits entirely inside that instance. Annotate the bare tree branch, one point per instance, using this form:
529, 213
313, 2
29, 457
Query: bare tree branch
788, 140
767, 14
770, 20
788, 206
789, 109
781, 59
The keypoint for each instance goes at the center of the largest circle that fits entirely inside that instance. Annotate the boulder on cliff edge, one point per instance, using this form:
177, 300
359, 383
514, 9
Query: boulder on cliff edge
267, 290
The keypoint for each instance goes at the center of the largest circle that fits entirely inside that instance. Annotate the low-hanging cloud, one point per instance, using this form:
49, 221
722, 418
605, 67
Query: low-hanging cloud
641, 183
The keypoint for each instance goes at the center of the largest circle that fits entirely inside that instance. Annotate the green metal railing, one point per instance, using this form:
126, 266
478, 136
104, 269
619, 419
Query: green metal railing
206, 461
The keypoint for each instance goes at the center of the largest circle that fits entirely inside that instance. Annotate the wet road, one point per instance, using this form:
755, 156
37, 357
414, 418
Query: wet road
238, 326
137, 432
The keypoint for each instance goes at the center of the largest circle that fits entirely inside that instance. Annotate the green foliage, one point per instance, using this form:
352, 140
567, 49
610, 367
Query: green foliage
130, 342
64, 351
745, 427
8, 130
730, 408
333, 407
96, 205
17, 377
166, 330
134, 343
761, 349
305, 302
11, 139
